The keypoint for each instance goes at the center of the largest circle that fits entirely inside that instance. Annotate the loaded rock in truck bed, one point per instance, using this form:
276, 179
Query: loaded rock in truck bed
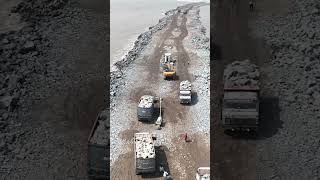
185, 85
101, 134
241, 73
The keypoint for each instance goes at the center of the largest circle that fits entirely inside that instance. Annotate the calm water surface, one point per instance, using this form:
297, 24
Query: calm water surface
129, 18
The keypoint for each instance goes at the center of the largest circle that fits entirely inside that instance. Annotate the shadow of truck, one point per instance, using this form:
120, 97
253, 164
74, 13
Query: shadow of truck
161, 159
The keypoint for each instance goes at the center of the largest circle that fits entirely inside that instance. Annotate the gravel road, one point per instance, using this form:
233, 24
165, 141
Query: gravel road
183, 37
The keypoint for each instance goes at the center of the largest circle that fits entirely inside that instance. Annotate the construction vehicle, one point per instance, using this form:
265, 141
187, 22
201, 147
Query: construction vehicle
98, 161
159, 119
145, 155
185, 92
240, 101
146, 108
168, 65
203, 173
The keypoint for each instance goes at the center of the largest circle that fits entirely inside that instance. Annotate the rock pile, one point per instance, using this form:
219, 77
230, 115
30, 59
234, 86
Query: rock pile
19, 52
185, 85
35, 10
293, 77
22, 62
241, 73
146, 101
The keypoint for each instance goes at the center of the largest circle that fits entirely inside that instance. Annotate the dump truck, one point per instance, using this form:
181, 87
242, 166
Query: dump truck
168, 65
240, 101
185, 92
99, 148
145, 154
203, 173
146, 108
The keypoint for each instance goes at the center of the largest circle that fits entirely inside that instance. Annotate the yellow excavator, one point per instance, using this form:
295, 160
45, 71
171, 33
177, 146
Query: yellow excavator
168, 67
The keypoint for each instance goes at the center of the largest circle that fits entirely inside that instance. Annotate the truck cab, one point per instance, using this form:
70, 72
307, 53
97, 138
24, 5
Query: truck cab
240, 109
185, 97
185, 92
145, 109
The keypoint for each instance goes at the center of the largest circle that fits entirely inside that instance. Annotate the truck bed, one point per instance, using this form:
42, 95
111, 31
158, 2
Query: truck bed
99, 149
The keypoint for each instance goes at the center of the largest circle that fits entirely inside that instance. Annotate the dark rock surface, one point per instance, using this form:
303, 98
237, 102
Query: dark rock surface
49, 92
241, 73
293, 34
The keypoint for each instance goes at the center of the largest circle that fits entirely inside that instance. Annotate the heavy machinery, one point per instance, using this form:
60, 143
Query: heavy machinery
145, 111
98, 161
159, 120
145, 154
168, 65
203, 173
240, 101
185, 92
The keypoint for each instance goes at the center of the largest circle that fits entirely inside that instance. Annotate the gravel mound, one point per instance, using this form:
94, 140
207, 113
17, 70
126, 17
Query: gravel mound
241, 73
34, 70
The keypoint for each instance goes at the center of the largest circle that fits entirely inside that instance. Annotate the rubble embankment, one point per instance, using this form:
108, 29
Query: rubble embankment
294, 78
141, 42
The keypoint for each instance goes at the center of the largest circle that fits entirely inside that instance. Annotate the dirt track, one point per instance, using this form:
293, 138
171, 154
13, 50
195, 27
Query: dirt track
181, 159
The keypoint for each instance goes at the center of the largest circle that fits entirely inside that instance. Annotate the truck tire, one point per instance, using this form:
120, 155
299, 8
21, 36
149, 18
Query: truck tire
138, 172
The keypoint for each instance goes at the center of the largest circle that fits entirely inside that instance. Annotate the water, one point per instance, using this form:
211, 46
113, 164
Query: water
128, 19
205, 18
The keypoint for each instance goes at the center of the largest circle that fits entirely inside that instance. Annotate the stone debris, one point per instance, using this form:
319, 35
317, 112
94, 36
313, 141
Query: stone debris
144, 146
293, 80
146, 101
241, 73
33, 69
5, 101
185, 85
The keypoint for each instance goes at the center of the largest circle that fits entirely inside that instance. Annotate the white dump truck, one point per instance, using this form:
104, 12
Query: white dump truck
185, 92
203, 173
146, 109
145, 155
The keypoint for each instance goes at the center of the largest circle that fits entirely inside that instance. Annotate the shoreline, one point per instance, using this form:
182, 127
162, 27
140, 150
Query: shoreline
138, 46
